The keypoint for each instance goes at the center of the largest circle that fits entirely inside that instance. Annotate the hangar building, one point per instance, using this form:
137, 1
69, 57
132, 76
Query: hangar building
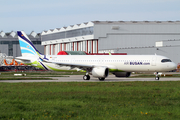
131, 37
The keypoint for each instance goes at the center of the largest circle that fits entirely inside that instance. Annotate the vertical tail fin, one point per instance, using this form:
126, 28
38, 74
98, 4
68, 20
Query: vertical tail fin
26, 46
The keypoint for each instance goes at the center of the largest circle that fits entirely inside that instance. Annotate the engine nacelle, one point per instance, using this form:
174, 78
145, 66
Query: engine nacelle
122, 74
100, 72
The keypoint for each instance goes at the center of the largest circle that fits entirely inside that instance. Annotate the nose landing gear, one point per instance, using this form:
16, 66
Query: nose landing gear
157, 76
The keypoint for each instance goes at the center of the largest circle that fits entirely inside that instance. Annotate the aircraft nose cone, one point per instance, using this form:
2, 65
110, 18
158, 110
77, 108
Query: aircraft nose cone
174, 66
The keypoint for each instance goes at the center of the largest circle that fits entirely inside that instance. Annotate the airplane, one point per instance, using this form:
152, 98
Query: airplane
99, 66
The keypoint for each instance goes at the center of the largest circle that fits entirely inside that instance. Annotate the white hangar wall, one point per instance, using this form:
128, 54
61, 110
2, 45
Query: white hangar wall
140, 37
134, 34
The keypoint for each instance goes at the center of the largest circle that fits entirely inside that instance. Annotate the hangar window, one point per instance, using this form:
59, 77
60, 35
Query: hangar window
79, 32
165, 60
68, 34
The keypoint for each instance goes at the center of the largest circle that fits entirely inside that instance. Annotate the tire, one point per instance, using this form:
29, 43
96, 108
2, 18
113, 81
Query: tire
86, 77
156, 78
101, 79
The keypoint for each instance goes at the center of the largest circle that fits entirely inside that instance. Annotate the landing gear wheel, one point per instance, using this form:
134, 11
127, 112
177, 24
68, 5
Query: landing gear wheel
86, 77
156, 78
101, 79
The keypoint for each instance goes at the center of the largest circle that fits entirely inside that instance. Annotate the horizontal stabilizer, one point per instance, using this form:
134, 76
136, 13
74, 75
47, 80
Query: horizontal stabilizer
24, 59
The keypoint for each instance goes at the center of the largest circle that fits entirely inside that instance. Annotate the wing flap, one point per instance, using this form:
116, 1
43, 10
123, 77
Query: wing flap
74, 65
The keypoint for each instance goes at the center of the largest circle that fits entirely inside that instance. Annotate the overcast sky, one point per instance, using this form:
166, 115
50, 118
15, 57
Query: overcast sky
40, 15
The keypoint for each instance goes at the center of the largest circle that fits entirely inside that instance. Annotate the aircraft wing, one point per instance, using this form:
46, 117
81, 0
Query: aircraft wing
73, 65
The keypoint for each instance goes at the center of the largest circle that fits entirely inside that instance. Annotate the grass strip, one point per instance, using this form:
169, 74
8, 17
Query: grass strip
76, 100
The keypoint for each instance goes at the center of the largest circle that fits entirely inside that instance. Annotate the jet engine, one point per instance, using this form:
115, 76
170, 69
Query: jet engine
100, 72
122, 74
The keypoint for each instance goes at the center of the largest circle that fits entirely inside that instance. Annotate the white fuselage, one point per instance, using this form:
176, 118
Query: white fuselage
128, 63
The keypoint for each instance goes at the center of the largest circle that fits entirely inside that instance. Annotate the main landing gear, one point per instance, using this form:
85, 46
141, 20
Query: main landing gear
86, 77
157, 76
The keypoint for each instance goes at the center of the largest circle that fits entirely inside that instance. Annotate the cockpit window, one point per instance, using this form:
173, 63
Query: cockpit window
165, 60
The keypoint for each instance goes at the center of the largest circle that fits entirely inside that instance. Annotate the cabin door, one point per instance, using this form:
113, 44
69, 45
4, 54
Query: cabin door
153, 63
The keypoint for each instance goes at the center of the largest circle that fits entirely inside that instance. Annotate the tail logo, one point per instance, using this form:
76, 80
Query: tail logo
27, 48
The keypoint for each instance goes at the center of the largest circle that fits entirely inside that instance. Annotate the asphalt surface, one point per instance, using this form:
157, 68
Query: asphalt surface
79, 78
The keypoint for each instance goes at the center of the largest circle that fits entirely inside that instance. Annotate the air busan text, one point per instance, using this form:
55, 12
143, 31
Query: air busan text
136, 63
